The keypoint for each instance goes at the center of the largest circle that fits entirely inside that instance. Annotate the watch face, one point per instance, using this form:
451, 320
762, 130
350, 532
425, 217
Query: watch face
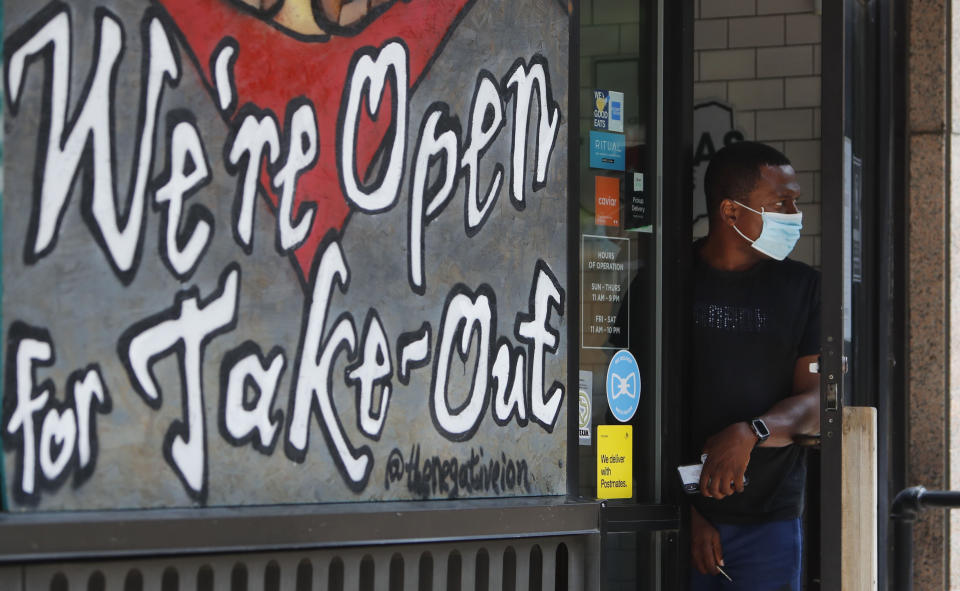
760, 428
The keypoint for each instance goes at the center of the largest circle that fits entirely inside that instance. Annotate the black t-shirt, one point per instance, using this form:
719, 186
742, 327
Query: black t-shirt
749, 328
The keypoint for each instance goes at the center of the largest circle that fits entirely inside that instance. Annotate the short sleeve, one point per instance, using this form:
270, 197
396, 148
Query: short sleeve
810, 339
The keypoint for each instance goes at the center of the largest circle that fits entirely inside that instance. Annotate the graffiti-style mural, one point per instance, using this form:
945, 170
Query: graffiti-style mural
281, 251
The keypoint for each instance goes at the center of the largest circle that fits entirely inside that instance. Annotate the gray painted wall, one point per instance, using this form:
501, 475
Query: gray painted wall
72, 298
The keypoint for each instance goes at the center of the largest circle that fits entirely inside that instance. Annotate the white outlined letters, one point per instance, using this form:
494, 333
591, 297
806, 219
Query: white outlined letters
239, 419
373, 369
534, 330
369, 71
184, 329
31, 399
256, 135
431, 146
463, 314
187, 171
303, 147
50, 435
313, 387
520, 80
65, 149
486, 121
509, 396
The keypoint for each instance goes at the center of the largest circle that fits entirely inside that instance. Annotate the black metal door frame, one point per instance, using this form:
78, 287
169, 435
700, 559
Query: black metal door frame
677, 182
882, 305
833, 103
672, 49
891, 306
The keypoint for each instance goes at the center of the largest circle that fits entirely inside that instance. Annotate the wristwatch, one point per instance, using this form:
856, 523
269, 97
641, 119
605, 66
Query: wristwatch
760, 430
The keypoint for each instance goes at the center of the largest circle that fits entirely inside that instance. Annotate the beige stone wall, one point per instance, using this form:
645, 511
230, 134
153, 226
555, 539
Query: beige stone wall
931, 279
953, 426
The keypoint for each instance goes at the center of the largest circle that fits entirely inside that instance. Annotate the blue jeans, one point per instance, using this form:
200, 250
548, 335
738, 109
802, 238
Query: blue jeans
762, 557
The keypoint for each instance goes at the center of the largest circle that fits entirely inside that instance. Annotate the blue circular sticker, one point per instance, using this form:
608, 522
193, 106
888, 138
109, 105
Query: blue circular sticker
623, 385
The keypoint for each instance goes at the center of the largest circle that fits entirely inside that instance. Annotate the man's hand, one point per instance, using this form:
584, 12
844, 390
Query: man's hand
728, 453
705, 549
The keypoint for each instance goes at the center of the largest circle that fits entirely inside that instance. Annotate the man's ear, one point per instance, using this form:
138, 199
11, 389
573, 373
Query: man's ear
728, 212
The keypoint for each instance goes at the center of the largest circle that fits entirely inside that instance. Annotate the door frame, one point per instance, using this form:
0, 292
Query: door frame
886, 307
672, 115
832, 104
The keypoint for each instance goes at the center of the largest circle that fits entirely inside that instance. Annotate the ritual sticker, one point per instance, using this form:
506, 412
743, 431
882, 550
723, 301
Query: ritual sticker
607, 201
585, 407
607, 150
614, 461
623, 385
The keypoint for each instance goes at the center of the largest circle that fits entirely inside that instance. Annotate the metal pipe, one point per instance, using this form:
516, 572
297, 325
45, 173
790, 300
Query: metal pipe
908, 503
903, 555
905, 509
906, 506
940, 498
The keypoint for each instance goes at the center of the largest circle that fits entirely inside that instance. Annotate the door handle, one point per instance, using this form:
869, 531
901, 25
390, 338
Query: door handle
832, 396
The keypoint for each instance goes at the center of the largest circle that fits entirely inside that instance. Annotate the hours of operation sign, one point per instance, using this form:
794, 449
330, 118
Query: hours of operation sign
605, 314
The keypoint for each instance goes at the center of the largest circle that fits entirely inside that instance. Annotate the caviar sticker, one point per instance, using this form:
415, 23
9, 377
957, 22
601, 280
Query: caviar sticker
607, 201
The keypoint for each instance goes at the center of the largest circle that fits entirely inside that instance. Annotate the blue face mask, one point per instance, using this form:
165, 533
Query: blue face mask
779, 235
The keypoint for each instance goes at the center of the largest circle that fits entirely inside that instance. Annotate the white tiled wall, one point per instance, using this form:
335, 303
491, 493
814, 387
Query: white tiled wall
762, 57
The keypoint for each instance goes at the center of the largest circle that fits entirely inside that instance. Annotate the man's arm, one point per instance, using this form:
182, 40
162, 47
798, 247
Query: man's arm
728, 452
706, 550
798, 414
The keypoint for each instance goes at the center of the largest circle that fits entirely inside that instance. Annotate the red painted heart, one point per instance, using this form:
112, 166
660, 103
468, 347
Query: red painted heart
275, 64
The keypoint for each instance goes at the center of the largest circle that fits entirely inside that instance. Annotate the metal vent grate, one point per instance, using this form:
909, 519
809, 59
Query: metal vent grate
530, 564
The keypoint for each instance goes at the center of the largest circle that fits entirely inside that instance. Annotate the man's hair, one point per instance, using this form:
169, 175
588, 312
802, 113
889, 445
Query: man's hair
733, 172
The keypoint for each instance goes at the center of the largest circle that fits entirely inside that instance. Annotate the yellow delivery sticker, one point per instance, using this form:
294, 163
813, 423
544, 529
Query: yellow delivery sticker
614, 461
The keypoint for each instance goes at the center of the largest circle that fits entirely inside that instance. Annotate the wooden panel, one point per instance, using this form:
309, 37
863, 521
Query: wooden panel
859, 499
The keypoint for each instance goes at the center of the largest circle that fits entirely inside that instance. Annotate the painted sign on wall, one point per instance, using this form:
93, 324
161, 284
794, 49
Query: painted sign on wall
255, 251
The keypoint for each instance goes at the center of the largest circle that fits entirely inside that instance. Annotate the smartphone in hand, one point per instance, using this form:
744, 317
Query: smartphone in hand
690, 476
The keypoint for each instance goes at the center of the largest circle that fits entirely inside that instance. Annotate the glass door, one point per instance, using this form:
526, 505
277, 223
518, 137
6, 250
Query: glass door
618, 245
862, 289
621, 432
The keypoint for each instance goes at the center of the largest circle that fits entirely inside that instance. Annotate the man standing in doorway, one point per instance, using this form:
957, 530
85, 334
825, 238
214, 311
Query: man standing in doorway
756, 330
